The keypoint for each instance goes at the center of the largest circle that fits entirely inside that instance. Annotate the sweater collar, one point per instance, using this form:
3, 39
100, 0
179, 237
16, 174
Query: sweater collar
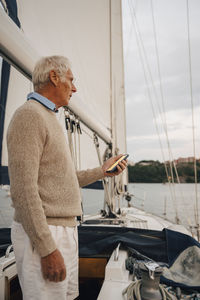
43, 100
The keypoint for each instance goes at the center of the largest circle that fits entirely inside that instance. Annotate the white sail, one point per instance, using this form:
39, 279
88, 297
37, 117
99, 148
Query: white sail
89, 34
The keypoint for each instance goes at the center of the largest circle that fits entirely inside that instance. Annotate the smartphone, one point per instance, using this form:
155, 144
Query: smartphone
113, 168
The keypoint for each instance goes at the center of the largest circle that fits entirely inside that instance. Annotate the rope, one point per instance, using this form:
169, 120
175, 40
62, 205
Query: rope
75, 147
3, 3
70, 125
133, 291
193, 127
79, 132
79, 150
67, 125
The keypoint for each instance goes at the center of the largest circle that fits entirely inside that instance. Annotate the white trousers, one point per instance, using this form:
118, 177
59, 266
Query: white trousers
28, 261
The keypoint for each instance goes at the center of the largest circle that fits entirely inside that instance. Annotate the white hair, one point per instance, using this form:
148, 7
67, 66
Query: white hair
40, 76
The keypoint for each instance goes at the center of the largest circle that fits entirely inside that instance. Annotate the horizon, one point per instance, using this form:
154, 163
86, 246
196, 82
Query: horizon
154, 160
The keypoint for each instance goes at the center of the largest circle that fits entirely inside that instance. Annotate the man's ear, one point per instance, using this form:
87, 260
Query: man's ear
53, 77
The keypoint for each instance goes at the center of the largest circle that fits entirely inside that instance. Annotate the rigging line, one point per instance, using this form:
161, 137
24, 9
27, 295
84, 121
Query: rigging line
75, 149
161, 88
130, 34
160, 80
79, 149
114, 180
158, 63
4, 5
181, 191
152, 83
146, 59
163, 120
69, 127
107, 197
127, 51
152, 107
156, 97
192, 108
162, 96
69, 134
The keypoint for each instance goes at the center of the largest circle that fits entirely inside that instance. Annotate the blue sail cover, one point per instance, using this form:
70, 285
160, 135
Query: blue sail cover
5, 240
161, 246
176, 244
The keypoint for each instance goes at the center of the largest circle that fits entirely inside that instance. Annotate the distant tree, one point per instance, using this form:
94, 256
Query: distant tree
154, 172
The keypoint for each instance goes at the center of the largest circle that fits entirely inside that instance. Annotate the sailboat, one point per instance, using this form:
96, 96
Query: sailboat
90, 34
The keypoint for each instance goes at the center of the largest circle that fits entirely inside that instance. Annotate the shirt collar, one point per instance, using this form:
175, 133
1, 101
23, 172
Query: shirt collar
43, 100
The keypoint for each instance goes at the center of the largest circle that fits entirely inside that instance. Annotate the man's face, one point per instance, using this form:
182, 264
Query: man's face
65, 89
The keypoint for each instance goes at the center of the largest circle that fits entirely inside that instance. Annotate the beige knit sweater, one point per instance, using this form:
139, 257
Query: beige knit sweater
43, 181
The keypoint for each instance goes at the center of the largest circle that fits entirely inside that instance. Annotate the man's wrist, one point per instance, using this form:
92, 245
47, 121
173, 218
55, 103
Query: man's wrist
104, 172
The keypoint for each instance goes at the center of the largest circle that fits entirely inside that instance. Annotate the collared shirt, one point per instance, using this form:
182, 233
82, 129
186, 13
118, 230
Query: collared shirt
43, 100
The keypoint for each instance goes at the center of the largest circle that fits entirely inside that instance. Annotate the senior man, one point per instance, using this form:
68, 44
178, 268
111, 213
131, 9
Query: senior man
45, 187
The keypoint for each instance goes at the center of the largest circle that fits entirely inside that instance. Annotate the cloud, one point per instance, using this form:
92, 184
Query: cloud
172, 41
180, 136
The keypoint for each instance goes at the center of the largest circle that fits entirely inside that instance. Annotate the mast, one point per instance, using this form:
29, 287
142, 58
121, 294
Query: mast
117, 96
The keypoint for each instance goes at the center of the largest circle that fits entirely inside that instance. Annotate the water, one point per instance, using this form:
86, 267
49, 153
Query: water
154, 198
159, 198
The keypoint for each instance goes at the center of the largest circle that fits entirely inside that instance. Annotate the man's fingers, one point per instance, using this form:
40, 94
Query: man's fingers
62, 275
45, 275
51, 277
53, 266
122, 166
119, 168
124, 162
118, 157
56, 276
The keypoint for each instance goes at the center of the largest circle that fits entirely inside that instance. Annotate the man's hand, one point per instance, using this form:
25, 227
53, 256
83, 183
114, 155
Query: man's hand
120, 167
53, 266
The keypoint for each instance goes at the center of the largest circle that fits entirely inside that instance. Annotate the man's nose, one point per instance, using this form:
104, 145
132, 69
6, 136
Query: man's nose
73, 88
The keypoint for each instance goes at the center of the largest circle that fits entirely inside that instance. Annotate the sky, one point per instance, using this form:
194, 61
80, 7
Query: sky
171, 34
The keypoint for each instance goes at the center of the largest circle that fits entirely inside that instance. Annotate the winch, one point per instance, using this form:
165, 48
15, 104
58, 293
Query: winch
148, 287
150, 273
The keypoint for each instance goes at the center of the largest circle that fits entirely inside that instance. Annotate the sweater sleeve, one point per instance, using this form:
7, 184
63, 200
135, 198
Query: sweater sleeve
89, 176
25, 141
